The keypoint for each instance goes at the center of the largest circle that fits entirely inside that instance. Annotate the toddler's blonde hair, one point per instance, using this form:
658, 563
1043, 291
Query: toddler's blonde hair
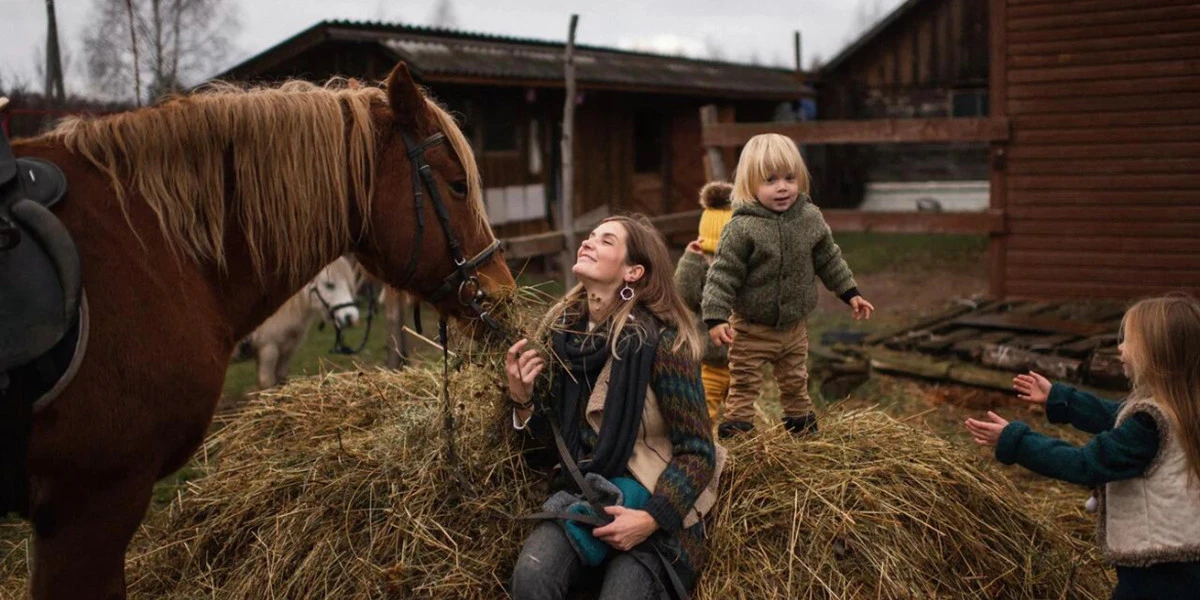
764, 155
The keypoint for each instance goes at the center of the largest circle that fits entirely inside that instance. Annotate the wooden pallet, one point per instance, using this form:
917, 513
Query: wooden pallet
985, 344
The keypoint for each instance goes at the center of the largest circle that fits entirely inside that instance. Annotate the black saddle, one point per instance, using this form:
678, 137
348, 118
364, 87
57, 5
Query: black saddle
40, 276
40, 294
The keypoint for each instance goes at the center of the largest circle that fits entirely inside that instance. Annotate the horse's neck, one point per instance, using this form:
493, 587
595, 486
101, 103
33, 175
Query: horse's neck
297, 312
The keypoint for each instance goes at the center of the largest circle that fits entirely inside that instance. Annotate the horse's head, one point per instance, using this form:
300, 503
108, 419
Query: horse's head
427, 231
331, 293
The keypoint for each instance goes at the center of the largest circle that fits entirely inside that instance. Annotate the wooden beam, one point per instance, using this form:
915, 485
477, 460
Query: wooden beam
991, 221
567, 216
530, 246
997, 150
714, 163
871, 131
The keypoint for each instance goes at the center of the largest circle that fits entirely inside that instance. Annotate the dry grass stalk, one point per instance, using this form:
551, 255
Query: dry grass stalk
335, 487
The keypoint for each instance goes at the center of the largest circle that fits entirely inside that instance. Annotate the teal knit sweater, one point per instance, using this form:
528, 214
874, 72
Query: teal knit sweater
1113, 455
767, 265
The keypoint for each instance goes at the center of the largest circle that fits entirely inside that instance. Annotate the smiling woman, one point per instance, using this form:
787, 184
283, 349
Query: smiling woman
626, 379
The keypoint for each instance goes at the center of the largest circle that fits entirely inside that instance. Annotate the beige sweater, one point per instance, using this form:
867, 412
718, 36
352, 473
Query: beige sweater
652, 450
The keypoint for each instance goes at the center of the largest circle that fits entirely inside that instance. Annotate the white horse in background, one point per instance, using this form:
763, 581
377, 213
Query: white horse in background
329, 297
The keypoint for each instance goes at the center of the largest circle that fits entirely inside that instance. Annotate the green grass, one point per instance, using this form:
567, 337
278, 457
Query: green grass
876, 252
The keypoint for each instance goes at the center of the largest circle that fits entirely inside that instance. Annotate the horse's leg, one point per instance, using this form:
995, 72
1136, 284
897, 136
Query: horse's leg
268, 357
284, 361
81, 533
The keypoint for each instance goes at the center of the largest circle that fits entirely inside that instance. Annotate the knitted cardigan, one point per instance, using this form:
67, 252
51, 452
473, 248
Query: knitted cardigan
767, 263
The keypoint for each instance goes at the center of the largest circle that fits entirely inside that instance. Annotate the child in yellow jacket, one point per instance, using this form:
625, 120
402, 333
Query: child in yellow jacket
690, 273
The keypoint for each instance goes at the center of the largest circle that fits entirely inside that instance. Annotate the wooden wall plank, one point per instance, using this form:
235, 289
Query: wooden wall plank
1106, 57
1107, 87
1099, 151
1092, 243
1147, 101
1172, 278
1109, 30
1127, 40
1102, 167
1118, 212
1145, 183
1110, 135
1059, 7
1186, 67
1103, 259
1102, 197
1074, 19
1071, 227
1177, 116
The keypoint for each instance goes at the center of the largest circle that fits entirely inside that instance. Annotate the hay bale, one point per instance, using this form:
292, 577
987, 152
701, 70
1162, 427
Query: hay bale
337, 487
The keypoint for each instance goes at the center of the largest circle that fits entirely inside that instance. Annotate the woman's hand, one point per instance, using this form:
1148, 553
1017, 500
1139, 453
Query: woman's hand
1032, 388
522, 369
694, 246
987, 433
722, 334
862, 308
628, 529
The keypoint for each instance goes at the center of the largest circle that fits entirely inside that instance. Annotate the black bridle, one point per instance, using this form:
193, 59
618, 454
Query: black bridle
465, 278
339, 343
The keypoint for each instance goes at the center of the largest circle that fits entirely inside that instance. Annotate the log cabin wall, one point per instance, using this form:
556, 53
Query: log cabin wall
1101, 179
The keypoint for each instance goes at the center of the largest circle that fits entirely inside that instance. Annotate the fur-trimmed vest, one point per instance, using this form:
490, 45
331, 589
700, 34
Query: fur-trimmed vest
1154, 518
652, 450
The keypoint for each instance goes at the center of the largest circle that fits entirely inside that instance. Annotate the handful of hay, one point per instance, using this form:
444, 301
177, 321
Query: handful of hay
336, 487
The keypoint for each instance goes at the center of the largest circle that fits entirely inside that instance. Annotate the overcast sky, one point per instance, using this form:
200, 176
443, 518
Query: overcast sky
761, 29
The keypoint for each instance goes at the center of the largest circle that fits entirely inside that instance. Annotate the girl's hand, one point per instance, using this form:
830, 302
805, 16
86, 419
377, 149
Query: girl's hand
522, 369
628, 529
694, 246
722, 334
862, 308
987, 433
1032, 388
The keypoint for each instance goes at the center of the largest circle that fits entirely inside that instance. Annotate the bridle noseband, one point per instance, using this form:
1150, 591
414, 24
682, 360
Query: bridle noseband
465, 278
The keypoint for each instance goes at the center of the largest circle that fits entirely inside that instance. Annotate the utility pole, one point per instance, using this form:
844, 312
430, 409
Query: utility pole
54, 76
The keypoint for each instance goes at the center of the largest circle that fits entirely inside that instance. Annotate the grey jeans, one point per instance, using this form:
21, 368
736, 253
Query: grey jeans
548, 567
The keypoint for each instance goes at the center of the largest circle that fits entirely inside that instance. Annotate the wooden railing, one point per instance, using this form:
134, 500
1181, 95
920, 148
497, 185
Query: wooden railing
988, 222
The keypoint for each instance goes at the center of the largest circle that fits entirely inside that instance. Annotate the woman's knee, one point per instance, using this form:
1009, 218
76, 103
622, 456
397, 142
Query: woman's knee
546, 566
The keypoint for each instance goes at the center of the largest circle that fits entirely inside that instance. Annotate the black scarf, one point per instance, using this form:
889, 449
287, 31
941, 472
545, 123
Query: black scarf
584, 356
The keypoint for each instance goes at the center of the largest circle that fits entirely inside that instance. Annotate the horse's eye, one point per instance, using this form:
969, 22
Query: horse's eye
459, 187
330, 286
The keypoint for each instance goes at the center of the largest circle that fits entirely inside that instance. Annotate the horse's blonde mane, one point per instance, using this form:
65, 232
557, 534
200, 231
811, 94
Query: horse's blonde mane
296, 156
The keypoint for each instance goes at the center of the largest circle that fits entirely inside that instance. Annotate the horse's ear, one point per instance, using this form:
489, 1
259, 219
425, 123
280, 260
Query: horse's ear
406, 100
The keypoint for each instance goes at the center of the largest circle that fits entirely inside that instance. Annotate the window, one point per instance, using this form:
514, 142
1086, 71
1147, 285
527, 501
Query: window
969, 103
500, 127
649, 143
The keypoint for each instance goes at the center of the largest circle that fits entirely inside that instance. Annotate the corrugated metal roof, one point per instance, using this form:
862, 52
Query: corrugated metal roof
433, 52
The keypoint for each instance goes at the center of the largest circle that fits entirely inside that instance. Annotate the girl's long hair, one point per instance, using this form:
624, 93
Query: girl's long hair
654, 293
1162, 337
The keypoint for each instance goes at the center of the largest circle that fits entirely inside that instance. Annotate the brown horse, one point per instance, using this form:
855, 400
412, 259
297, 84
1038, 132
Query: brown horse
195, 220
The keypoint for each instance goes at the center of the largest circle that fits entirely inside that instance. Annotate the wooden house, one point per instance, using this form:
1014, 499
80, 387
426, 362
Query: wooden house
637, 136
926, 59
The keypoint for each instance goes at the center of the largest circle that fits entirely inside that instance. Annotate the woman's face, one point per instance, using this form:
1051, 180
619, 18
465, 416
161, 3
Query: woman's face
601, 257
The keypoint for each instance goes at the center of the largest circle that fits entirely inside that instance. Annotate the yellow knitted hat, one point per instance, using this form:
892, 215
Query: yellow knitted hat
715, 198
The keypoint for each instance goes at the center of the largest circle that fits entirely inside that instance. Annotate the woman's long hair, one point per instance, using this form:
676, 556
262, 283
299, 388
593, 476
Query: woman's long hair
1162, 338
654, 292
